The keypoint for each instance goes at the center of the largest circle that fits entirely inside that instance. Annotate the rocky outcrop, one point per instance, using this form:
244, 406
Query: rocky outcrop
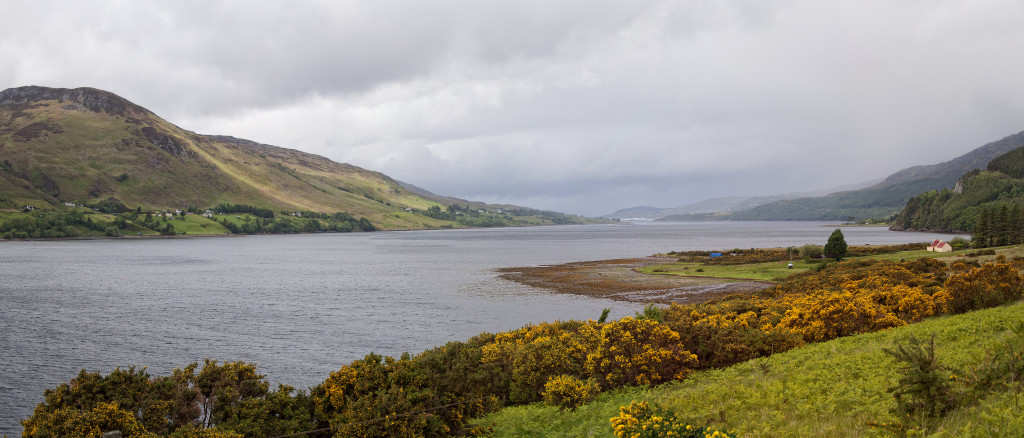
90, 98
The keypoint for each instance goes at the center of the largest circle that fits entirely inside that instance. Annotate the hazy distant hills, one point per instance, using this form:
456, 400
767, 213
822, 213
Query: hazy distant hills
722, 205
878, 201
84, 145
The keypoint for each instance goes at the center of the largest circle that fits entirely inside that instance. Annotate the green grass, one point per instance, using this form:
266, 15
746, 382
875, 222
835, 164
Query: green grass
197, 224
770, 271
831, 389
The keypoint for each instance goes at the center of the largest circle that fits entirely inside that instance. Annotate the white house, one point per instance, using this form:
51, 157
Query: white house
939, 246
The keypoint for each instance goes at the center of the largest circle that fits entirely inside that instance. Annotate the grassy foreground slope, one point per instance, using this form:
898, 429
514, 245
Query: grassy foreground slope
830, 389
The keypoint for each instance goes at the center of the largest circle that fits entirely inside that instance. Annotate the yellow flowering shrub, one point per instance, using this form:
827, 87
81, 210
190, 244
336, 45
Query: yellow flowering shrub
722, 335
639, 352
364, 398
827, 315
639, 420
536, 352
89, 423
569, 392
990, 285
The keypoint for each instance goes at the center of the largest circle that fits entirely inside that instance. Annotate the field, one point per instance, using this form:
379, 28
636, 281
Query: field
768, 271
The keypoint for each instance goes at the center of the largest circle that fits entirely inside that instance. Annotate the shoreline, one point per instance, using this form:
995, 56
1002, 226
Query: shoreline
621, 280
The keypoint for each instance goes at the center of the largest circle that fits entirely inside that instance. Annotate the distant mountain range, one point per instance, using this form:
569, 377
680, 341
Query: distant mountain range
86, 145
724, 204
880, 200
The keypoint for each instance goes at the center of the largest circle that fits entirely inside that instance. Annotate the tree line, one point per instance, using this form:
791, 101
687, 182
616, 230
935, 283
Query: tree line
998, 225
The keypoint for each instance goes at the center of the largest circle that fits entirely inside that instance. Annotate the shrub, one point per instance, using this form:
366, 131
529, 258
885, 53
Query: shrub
569, 392
811, 251
959, 243
639, 352
639, 420
825, 315
532, 354
923, 392
721, 338
89, 422
977, 288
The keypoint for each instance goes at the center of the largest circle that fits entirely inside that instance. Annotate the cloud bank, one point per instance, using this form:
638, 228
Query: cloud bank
578, 106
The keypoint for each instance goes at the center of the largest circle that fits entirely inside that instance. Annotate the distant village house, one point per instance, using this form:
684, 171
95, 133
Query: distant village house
939, 246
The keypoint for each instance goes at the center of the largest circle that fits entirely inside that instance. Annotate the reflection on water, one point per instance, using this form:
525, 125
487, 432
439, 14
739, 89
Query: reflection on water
301, 306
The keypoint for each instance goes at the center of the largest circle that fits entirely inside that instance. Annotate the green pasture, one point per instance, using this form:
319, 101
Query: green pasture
770, 271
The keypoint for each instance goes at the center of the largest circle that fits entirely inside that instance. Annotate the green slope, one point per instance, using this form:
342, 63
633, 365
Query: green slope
831, 389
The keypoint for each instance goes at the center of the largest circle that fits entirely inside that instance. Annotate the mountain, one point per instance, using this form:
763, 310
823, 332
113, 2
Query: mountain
729, 204
86, 145
987, 203
883, 200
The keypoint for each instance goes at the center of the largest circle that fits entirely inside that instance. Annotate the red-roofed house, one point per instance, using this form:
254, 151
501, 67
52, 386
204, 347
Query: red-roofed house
940, 246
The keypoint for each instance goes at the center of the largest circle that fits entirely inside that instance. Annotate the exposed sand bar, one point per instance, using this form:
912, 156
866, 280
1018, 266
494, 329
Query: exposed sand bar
619, 279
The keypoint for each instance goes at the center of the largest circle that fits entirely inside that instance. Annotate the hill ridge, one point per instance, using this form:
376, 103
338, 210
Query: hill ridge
93, 99
85, 145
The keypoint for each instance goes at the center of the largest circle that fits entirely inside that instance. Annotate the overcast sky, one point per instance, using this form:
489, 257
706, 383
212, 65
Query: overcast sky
578, 106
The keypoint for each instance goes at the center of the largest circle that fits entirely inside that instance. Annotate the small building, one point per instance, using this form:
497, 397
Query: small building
939, 246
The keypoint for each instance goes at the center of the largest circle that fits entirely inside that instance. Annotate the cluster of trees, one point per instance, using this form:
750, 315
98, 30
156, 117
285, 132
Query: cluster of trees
949, 211
977, 195
51, 223
998, 225
469, 217
337, 222
435, 393
74, 222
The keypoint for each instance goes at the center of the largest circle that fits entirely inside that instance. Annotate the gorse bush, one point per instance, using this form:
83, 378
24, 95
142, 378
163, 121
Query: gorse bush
640, 420
990, 285
639, 352
569, 392
228, 399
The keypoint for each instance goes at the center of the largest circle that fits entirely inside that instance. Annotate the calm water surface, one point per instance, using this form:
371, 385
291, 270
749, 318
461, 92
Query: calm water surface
301, 306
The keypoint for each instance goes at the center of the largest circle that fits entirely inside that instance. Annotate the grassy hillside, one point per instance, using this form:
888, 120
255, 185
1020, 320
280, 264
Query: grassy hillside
831, 389
86, 145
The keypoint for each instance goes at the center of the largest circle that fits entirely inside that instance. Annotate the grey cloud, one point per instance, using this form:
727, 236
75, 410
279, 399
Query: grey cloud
594, 105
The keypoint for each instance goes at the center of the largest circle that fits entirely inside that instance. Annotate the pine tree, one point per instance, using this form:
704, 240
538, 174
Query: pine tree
1013, 225
1002, 227
980, 237
836, 246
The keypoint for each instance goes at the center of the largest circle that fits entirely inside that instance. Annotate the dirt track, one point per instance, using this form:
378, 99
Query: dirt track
619, 279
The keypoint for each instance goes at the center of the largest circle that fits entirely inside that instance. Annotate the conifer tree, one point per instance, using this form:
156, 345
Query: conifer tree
836, 246
1013, 225
1001, 226
980, 237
